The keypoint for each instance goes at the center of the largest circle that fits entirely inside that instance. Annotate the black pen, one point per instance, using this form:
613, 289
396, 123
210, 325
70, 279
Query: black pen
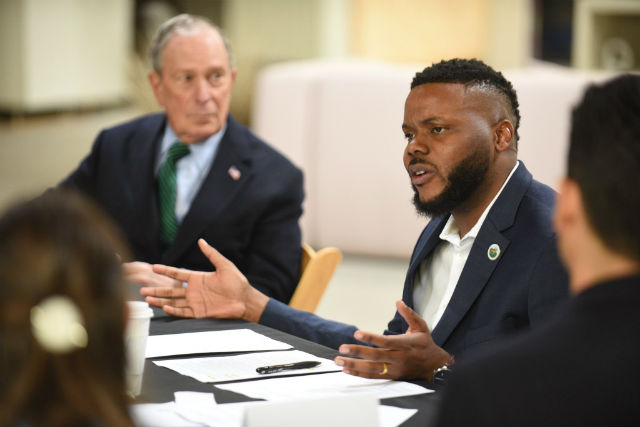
287, 366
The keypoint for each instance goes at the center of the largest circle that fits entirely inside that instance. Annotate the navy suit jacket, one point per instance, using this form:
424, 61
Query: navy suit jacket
253, 221
492, 299
580, 368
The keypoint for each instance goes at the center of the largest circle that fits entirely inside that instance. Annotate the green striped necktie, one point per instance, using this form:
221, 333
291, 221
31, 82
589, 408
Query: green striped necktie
167, 193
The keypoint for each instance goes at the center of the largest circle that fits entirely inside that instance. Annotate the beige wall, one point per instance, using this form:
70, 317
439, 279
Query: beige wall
424, 31
404, 31
60, 54
11, 41
419, 30
53, 51
264, 32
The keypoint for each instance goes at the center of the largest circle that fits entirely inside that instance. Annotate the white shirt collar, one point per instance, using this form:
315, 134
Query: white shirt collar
201, 152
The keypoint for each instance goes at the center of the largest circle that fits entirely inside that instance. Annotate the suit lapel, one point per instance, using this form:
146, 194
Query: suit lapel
142, 179
478, 268
475, 275
218, 189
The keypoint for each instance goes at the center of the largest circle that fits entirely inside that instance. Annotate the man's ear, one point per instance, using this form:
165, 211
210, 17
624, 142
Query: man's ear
155, 80
504, 135
569, 209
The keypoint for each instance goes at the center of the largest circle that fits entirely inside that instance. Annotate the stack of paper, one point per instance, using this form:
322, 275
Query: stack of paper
196, 409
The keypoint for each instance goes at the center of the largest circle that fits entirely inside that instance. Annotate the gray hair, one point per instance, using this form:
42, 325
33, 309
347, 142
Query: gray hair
183, 23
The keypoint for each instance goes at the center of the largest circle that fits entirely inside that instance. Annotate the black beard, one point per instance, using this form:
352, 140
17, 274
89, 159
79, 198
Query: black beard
464, 180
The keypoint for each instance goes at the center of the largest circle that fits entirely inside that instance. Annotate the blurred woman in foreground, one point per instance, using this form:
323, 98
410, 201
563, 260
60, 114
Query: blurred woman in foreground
62, 319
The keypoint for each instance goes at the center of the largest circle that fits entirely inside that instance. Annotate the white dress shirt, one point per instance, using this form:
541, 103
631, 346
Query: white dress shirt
438, 274
192, 169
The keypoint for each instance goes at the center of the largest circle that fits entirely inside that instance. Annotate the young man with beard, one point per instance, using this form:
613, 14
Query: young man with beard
485, 267
581, 368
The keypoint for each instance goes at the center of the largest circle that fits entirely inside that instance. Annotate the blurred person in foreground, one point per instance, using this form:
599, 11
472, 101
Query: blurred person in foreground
194, 171
582, 367
485, 267
62, 315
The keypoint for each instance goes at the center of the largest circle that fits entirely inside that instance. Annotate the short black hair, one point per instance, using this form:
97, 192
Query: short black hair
472, 72
604, 159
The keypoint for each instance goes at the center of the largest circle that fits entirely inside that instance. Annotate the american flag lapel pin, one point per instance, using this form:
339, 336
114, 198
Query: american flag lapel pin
234, 173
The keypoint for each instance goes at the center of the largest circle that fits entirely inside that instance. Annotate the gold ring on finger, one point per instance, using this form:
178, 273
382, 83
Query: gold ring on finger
384, 369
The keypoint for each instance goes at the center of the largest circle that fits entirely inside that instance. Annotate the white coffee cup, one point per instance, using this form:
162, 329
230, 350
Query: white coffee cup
136, 334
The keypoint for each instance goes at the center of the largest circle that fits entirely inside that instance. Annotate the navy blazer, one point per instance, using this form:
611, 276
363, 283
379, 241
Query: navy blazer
253, 221
580, 368
492, 299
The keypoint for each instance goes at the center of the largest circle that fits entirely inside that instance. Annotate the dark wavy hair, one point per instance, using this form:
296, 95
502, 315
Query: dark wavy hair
604, 159
60, 244
473, 73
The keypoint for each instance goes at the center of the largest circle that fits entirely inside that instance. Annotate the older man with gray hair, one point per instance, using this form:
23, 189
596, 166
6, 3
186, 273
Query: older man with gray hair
193, 171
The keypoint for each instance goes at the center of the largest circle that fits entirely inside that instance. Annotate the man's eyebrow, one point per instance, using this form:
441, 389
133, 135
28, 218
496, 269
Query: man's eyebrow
430, 120
182, 71
427, 121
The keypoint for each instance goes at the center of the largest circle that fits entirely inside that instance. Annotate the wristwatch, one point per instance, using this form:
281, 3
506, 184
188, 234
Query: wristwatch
441, 374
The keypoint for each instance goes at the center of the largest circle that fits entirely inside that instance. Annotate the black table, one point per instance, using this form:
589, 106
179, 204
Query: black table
160, 383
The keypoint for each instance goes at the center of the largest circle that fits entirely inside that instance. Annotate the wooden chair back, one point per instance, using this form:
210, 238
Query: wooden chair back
315, 273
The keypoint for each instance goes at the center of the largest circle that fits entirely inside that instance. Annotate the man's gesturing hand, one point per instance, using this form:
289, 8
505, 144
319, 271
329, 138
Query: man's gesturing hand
412, 355
224, 293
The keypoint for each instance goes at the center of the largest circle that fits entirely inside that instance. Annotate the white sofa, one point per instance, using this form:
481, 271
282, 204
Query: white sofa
341, 123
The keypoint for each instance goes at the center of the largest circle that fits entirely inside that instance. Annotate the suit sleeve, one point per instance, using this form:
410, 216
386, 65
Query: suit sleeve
397, 325
307, 325
274, 254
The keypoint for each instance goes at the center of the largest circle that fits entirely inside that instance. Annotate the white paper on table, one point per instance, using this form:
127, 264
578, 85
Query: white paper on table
190, 409
196, 398
159, 415
232, 414
322, 384
392, 416
242, 367
388, 416
227, 341
227, 415
193, 409
354, 410
201, 408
